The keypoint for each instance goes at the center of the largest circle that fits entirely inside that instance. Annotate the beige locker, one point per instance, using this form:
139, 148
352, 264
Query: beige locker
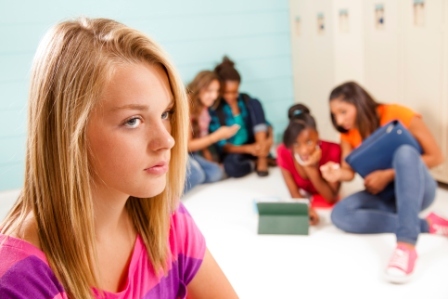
424, 68
313, 62
382, 50
397, 49
323, 58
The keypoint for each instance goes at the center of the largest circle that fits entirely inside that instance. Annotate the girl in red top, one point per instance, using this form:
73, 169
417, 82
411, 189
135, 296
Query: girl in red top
301, 155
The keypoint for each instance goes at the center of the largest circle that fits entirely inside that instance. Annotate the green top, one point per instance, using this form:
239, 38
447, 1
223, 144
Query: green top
241, 135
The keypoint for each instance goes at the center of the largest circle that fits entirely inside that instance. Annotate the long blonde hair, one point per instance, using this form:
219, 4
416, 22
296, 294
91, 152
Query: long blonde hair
72, 64
202, 80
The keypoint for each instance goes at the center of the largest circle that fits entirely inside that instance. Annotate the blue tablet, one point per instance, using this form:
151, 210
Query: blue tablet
377, 150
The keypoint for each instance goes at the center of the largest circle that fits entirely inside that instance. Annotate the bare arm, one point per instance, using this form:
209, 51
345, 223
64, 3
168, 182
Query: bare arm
432, 155
329, 190
347, 173
210, 282
224, 132
333, 172
294, 191
289, 181
197, 144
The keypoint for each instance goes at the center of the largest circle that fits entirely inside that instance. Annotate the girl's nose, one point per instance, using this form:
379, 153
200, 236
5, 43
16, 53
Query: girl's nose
339, 120
161, 138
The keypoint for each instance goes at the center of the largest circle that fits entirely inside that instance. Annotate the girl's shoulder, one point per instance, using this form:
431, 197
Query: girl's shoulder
22, 262
281, 148
330, 151
329, 145
389, 112
186, 238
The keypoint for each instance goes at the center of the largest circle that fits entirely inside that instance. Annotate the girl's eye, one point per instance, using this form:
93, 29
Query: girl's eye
167, 114
133, 122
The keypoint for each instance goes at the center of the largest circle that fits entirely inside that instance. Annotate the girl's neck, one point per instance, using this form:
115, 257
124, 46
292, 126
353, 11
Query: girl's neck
110, 214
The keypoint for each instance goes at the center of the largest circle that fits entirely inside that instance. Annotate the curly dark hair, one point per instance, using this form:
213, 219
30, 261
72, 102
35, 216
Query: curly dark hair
299, 120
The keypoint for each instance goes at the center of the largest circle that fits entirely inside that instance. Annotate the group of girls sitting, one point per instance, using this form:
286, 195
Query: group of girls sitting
227, 127
392, 199
314, 168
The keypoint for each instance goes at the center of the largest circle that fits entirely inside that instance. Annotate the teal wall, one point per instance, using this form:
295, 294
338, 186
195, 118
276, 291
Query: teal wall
196, 34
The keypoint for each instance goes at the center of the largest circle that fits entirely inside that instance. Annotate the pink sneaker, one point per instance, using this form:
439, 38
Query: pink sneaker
401, 264
437, 225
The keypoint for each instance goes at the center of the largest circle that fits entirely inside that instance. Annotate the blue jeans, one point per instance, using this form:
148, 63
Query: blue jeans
200, 171
239, 165
396, 209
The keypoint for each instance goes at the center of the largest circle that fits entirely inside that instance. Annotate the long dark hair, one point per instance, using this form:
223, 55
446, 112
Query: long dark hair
367, 119
299, 120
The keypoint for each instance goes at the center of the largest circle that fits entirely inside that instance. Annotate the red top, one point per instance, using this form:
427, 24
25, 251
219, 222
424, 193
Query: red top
285, 159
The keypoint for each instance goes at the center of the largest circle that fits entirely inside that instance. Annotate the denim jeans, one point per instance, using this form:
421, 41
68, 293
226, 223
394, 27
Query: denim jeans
239, 165
200, 171
396, 209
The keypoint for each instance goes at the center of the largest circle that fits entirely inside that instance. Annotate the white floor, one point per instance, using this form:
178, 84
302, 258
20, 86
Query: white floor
326, 264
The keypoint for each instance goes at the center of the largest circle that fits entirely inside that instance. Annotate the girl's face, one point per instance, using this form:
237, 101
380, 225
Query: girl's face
209, 94
306, 143
230, 91
344, 113
129, 133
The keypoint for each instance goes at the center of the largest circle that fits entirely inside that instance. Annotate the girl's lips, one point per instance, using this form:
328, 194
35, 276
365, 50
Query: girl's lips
158, 169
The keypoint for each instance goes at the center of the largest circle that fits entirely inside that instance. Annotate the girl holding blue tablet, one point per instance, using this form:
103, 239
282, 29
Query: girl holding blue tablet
356, 115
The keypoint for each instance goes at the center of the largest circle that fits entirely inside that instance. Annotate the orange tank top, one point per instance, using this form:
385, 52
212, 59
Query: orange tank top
387, 113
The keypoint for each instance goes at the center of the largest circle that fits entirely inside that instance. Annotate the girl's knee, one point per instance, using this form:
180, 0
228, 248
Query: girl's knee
215, 175
338, 216
405, 154
194, 172
342, 218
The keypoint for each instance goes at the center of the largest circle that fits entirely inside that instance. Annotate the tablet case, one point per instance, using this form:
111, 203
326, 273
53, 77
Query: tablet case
377, 150
283, 218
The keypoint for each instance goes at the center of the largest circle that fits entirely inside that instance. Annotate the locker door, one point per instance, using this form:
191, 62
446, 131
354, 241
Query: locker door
348, 32
322, 71
301, 27
313, 59
382, 49
424, 63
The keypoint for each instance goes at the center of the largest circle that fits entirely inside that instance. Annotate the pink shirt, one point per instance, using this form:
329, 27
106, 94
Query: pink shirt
285, 159
203, 122
25, 273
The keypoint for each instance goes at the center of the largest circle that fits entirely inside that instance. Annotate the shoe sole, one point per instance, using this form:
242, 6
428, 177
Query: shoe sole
398, 279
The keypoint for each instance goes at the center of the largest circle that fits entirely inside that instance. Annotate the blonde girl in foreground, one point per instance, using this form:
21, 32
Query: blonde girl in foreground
99, 215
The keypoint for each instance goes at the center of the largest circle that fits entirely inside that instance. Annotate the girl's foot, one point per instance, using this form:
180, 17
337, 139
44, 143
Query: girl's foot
401, 264
437, 225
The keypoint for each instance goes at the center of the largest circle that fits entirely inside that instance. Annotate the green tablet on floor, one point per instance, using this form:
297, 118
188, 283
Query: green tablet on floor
283, 217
